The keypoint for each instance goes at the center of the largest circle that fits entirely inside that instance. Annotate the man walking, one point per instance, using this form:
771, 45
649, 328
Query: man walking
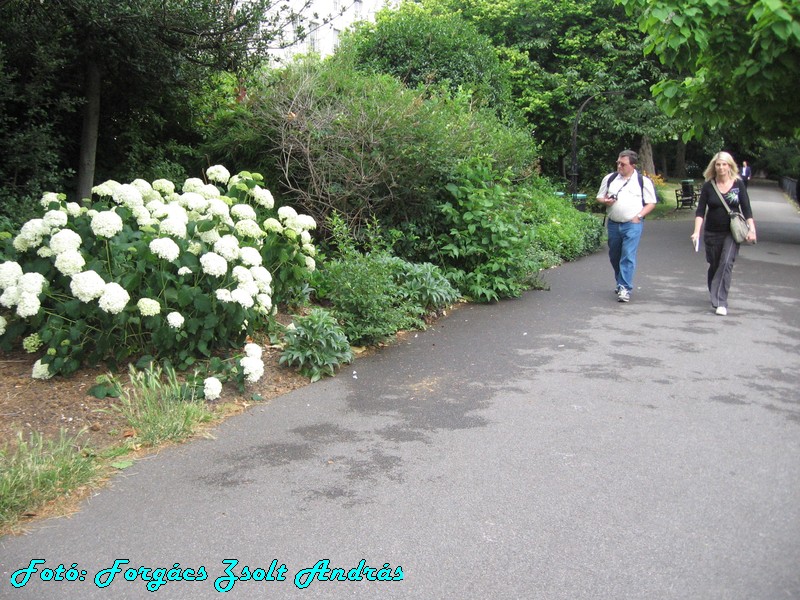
746, 173
630, 197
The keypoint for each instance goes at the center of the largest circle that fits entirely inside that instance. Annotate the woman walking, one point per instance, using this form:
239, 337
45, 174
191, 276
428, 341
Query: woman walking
721, 181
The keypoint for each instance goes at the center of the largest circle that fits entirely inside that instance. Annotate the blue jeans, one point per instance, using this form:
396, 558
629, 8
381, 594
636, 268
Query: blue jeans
623, 242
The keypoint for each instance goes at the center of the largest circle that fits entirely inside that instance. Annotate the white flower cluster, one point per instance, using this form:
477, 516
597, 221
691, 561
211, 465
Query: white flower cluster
114, 298
300, 225
175, 320
227, 247
31, 235
130, 195
70, 262
106, 189
223, 234
165, 248
148, 307
292, 220
49, 197
41, 371
251, 363
165, 186
212, 388
262, 197
106, 224
193, 184
87, 286
55, 219
213, 264
218, 173
65, 240
21, 290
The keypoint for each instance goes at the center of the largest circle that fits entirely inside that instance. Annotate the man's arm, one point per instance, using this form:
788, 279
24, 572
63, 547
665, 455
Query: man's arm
650, 199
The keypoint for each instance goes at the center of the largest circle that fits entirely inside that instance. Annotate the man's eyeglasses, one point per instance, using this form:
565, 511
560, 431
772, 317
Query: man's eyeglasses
624, 164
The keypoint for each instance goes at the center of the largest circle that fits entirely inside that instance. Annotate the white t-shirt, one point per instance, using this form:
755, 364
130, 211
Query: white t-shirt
629, 196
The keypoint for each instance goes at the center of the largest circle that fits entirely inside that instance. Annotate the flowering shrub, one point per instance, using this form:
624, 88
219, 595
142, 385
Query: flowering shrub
147, 270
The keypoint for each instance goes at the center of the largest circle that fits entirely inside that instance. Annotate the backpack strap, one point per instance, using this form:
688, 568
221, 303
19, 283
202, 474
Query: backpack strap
641, 184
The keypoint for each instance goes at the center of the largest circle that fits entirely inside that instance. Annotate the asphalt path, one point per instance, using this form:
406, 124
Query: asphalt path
558, 446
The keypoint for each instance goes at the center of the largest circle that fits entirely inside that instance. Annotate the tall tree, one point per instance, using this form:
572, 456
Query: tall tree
563, 53
421, 48
128, 60
737, 61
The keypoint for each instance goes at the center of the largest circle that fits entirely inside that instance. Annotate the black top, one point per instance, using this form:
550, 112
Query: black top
711, 208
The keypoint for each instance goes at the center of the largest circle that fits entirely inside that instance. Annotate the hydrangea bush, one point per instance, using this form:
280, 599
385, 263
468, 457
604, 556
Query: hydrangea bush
150, 270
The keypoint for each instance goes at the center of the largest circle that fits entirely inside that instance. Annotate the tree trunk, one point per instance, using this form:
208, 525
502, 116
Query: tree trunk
646, 164
91, 125
680, 160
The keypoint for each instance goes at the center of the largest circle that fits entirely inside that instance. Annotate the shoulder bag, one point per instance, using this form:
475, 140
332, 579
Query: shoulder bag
739, 226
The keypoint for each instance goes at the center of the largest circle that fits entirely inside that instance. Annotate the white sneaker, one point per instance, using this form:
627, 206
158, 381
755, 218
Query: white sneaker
623, 295
722, 311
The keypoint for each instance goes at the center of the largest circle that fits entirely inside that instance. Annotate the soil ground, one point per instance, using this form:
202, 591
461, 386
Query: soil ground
63, 403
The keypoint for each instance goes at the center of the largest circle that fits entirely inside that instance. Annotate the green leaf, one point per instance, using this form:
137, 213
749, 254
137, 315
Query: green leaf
186, 296
106, 389
145, 361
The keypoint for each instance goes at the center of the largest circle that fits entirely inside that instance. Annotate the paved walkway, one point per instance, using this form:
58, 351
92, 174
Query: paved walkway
558, 446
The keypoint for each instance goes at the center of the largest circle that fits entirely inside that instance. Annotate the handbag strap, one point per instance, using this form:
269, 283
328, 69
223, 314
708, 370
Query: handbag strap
721, 197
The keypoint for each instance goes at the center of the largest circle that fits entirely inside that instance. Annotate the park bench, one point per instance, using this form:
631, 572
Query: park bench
686, 196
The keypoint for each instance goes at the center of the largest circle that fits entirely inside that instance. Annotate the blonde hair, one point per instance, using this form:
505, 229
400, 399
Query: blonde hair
711, 172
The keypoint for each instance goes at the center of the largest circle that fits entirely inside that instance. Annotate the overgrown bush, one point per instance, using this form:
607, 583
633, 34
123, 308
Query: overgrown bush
363, 145
423, 284
149, 271
365, 298
780, 158
316, 345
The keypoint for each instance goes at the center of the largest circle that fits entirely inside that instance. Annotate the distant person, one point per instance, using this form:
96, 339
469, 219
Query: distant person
721, 249
746, 173
629, 197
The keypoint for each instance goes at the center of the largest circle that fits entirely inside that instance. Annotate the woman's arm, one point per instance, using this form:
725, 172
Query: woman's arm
698, 225
747, 211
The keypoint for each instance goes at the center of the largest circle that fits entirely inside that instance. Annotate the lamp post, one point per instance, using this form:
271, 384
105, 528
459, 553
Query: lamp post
574, 175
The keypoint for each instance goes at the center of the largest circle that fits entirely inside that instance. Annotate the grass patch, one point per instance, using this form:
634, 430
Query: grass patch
160, 408
666, 208
38, 471
35, 472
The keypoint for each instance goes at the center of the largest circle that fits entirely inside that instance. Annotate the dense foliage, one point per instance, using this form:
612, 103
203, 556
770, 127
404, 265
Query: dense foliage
493, 237
373, 293
100, 89
736, 61
363, 145
419, 47
560, 54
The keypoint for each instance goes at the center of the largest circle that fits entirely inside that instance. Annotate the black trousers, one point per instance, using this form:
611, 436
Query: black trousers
721, 253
